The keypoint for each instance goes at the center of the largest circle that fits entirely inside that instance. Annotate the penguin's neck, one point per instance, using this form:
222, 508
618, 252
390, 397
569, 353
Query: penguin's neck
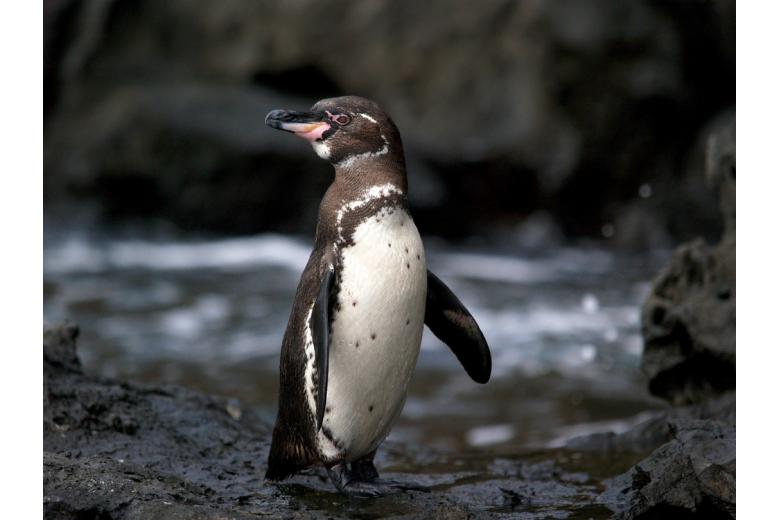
359, 189
356, 174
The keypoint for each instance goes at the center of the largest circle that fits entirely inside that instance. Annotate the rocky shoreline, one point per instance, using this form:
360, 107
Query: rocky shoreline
115, 450
124, 451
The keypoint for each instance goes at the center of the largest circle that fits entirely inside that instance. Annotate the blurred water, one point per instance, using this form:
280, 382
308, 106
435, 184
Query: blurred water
563, 325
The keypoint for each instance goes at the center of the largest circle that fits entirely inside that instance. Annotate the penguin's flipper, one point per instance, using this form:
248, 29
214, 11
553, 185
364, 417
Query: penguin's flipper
452, 323
320, 327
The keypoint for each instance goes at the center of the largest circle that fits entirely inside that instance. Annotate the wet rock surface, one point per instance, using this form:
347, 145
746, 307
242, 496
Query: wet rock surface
116, 450
124, 451
691, 472
693, 475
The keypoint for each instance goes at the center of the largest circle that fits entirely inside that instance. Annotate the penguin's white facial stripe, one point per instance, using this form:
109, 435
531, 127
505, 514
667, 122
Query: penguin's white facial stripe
372, 193
351, 160
321, 149
366, 116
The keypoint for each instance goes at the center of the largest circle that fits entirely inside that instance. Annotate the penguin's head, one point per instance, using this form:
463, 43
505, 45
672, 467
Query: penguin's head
342, 130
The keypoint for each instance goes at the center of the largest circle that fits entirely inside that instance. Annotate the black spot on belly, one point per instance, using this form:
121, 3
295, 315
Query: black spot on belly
357, 344
407, 321
418, 257
373, 335
354, 303
407, 265
327, 409
371, 408
406, 250
388, 244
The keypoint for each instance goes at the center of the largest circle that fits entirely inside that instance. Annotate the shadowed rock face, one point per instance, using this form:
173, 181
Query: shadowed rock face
689, 319
156, 108
689, 324
689, 327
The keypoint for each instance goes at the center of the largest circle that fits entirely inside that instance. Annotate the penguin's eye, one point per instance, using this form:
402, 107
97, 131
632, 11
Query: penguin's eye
342, 119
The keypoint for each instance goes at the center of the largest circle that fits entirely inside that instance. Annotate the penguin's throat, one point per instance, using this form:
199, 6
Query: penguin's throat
379, 195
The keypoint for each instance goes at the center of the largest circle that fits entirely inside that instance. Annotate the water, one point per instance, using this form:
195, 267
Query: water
563, 326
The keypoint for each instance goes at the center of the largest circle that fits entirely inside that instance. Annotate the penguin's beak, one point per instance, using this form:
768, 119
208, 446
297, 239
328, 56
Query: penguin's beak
308, 125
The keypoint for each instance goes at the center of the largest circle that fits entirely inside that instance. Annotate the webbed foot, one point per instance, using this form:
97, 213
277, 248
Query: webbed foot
364, 482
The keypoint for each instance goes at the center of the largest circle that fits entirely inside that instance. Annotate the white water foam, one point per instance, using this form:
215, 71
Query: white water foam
506, 268
80, 255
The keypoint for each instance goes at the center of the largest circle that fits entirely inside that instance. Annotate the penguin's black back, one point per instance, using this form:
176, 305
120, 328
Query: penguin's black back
293, 446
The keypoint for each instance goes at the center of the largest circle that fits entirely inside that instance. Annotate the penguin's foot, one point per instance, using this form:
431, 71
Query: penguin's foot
365, 471
366, 484
343, 480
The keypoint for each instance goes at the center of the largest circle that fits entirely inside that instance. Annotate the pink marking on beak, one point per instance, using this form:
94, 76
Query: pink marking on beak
309, 131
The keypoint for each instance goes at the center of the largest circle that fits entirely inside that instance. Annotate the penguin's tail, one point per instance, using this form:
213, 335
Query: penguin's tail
288, 455
280, 469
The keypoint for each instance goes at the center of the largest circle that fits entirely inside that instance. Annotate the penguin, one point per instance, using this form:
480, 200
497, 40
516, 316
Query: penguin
354, 332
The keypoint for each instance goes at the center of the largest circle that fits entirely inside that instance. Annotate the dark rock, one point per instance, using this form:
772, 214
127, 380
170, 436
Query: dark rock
689, 319
60, 346
689, 328
499, 102
642, 438
691, 476
658, 429
129, 451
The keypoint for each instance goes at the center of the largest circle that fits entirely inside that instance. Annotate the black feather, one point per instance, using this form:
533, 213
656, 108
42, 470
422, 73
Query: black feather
451, 322
321, 336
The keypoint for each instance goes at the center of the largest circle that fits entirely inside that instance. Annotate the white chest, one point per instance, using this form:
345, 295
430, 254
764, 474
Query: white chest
376, 332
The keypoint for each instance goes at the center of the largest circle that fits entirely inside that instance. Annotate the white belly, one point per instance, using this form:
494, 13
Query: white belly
375, 335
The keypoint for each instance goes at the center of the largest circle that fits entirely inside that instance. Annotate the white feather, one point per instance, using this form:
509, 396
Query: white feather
308, 348
351, 160
321, 149
366, 116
